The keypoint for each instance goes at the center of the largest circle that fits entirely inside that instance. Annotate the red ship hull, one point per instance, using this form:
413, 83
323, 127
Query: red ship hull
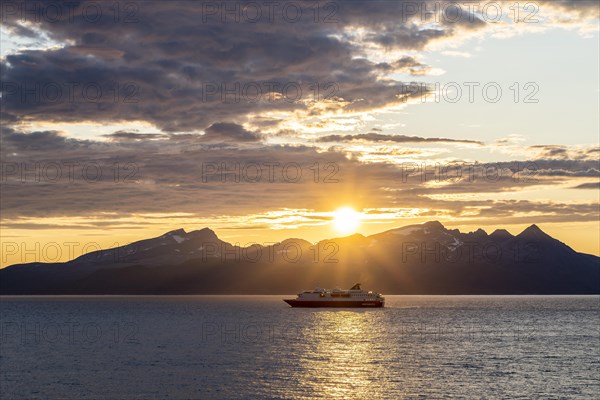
337, 304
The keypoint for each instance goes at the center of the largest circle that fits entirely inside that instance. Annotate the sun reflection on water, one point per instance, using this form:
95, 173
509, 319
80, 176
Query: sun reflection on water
341, 359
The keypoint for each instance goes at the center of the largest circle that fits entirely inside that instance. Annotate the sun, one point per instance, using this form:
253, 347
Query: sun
346, 220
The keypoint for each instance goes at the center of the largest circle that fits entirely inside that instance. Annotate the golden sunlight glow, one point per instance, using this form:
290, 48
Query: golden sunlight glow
346, 220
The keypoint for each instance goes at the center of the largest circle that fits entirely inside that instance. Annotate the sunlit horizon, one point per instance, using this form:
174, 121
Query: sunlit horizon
64, 244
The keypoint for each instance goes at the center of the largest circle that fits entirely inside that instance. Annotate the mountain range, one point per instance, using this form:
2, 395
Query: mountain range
416, 259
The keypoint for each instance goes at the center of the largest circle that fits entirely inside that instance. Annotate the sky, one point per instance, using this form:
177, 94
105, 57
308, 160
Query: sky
124, 120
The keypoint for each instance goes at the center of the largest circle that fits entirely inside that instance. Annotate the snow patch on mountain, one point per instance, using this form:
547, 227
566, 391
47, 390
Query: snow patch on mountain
178, 238
455, 244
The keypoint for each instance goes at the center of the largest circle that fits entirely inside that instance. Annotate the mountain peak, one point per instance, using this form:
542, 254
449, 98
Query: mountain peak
203, 230
434, 225
533, 232
424, 228
480, 232
204, 233
178, 232
533, 228
353, 237
501, 234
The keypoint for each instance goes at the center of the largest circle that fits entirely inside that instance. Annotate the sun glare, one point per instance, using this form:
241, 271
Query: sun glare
346, 220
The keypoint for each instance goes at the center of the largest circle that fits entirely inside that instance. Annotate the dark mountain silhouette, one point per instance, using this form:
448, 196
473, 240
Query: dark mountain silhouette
415, 259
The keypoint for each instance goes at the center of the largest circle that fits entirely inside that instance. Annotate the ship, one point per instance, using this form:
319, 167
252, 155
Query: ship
353, 297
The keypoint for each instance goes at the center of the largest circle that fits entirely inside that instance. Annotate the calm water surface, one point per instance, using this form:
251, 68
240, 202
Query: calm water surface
250, 347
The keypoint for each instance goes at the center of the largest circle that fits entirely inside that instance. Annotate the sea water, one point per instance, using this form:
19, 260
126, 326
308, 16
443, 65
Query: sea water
257, 347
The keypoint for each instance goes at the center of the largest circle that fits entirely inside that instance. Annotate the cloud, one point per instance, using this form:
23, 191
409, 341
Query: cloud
551, 151
406, 65
217, 133
185, 78
231, 131
588, 185
181, 69
112, 181
561, 152
378, 137
38, 141
580, 8
186, 74
122, 135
